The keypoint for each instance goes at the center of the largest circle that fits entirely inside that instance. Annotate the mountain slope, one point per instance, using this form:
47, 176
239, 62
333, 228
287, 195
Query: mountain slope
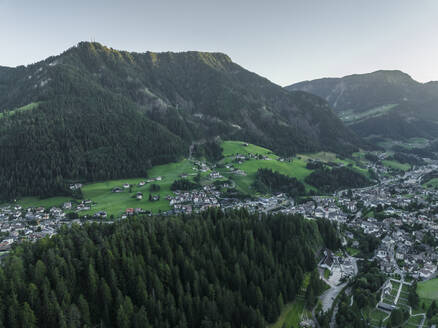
99, 113
386, 103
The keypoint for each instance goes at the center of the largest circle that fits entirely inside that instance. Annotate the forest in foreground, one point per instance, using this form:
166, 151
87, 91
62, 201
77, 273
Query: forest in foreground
212, 269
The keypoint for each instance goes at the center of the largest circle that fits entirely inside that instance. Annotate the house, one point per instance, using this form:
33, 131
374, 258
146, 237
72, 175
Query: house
215, 175
116, 189
67, 205
129, 211
139, 196
387, 288
126, 185
382, 253
428, 271
328, 260
399, 256
385, 306
101, 214
6, 244
75, 186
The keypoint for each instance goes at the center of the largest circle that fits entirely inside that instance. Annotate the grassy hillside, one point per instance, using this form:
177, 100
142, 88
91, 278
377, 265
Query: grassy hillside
353, 117
25, 108
396, 165
104, 113
100, 193
384, 103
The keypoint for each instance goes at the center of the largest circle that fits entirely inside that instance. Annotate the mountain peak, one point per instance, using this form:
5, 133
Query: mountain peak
388, 76
215, 60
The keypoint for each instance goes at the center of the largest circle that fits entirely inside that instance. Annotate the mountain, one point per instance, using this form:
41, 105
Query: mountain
95, 113
384, 103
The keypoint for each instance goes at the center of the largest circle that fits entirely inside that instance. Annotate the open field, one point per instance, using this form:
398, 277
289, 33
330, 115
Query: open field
375, 316
116, 203
354, 163
396, 165
238, 147
414, 321
296, 168
428, 289
21, 109
408, 144
432, 183
352, 251
354, 117
43, 202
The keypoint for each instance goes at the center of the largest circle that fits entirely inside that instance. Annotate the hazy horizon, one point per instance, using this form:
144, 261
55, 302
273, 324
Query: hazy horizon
286, 42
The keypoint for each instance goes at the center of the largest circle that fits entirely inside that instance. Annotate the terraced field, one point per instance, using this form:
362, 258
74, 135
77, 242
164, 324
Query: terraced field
376, 316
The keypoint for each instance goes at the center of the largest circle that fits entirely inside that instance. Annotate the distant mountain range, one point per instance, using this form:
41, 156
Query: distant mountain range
95, 113
383, 103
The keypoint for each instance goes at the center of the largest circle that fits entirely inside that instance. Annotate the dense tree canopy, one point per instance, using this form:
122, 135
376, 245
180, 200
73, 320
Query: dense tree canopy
183, 184
331, 179
268, 181
207, 270
67, 139
364, 292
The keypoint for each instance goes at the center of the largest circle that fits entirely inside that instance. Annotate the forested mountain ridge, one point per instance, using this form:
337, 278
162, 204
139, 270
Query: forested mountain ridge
213, 269
98, 113
386, 103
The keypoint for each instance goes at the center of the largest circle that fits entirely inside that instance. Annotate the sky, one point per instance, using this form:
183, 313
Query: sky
285, 41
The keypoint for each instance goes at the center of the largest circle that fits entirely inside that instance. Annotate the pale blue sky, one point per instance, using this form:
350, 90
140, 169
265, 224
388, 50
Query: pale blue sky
285, 41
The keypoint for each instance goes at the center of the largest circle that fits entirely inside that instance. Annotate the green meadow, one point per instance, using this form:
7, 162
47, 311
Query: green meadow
432, 183
238, 147
116, 203
396, 165
428, 289
21, 109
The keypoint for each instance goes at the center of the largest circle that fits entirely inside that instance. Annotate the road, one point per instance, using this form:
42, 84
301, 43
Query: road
329, 295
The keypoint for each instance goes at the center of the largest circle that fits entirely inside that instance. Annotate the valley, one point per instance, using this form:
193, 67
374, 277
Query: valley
386, 104
179, 189
393, 208
237, 169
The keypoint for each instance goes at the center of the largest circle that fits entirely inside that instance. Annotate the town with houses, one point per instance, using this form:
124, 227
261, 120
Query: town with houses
407, 225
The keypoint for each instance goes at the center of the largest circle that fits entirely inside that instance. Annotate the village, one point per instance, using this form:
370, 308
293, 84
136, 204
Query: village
399, 211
